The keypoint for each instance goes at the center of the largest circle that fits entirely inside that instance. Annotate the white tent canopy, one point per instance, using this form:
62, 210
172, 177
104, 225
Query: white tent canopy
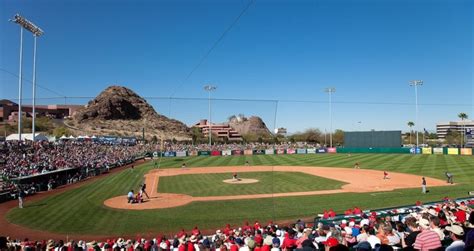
26, 136
63, 137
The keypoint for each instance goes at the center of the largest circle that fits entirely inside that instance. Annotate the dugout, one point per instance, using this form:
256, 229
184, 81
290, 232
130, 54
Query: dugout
367, 139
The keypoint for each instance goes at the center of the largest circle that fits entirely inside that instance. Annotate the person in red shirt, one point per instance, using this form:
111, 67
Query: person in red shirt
182, 244
385, 175
325, 214
257, 225
181, 234
227, 229
258, 239
191, 242
460, 216
196, 231
267, 243
289, 242
332, 214
357, 210
233, 246
246, 227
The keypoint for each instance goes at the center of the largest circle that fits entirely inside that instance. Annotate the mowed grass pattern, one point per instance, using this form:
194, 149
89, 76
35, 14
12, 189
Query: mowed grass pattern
268, 182
81, 211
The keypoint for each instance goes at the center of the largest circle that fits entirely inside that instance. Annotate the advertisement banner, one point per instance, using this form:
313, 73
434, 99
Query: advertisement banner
453, 151
280, 151
269, 151
331, 150
226, 153
466, 151
216, 153
301, 151
181, 154
426, 150
290, 151
321, 150
193, 153
237, 152
437, 150
169, 154
248, 152
258, 152
204, 153
415, 150
311, 150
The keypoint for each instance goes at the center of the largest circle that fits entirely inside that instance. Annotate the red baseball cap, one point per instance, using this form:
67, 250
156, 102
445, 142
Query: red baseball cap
331, 242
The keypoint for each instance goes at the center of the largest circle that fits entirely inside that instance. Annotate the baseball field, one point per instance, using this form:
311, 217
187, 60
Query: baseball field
287, 187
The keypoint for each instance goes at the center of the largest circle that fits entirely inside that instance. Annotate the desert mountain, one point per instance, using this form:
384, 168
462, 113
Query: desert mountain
119, 111
252, 125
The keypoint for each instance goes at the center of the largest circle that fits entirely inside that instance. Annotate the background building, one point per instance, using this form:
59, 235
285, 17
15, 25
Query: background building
443, 127
222, 131
9, 110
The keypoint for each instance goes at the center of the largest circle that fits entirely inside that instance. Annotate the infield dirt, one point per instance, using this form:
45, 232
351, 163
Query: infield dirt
358, 181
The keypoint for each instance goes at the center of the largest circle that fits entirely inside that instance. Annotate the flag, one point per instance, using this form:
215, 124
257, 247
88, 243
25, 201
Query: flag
424, 129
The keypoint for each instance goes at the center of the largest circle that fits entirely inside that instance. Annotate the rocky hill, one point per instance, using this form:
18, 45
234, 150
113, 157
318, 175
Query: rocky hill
253, 125
119, 111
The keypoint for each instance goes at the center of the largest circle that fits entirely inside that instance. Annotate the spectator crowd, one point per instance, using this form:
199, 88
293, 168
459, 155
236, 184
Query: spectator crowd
19, 159
443, 226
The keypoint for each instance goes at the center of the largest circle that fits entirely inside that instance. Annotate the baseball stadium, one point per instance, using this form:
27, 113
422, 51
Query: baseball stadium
143, 150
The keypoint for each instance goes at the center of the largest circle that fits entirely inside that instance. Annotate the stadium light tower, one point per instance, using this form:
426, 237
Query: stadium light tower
31, 27
330, 91
209, 89
416, 83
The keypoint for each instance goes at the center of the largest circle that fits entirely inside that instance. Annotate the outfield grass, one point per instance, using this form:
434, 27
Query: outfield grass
212, 184
81, 211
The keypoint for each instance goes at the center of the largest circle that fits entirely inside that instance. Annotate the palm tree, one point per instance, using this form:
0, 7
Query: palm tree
410, 124
462, 116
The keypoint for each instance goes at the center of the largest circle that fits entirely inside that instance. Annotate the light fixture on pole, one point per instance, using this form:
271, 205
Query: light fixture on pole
330, 91
416, 83
31, 27
209, 89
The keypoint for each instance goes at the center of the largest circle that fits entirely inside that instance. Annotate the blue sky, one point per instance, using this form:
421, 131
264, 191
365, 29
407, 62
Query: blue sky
279, 50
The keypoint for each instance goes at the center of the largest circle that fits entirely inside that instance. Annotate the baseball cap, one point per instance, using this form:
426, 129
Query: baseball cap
331, 242
276, 240
455, 229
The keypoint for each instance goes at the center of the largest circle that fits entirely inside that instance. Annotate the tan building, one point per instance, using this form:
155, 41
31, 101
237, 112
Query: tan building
9, 110
223, 131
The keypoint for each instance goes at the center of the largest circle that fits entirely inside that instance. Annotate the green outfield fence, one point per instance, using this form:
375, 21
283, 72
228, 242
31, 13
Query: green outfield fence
334, 150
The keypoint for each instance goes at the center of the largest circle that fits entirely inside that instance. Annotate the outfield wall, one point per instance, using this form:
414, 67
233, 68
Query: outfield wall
299, 151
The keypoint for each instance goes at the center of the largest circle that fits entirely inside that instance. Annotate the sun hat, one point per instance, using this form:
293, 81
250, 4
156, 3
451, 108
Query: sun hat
433, 212
455, 229
348, 230
268, 240
423, 223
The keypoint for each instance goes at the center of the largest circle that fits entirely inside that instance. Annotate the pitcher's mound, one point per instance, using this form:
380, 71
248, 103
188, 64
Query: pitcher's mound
240, 181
